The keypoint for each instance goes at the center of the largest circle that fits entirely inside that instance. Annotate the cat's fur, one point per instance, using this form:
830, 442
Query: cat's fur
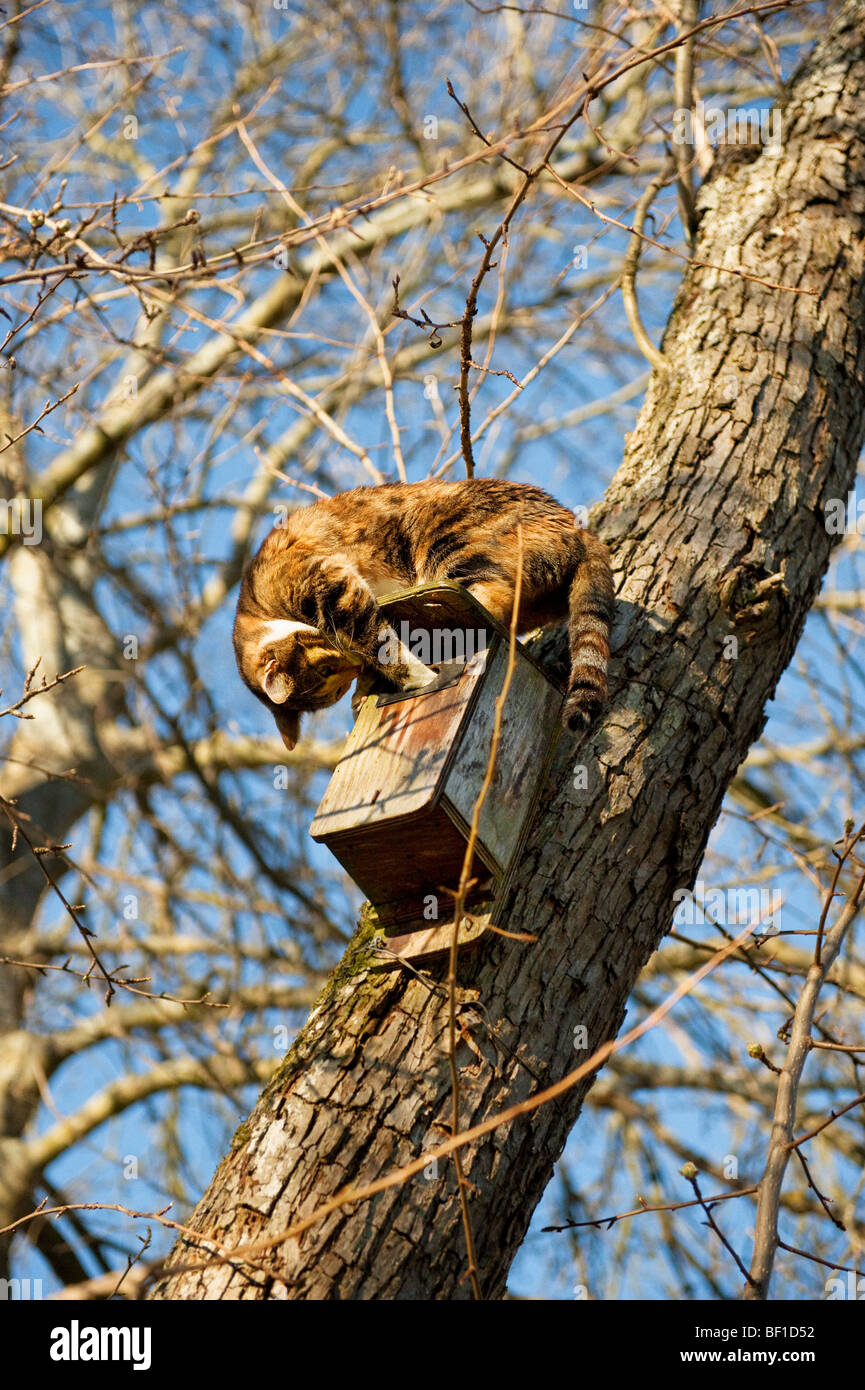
308, 620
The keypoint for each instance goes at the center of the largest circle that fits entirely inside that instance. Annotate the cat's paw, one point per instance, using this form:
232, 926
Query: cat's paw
418, 679
366, 684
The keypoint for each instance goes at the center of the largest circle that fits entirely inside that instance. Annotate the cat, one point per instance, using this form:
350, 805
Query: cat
308, 620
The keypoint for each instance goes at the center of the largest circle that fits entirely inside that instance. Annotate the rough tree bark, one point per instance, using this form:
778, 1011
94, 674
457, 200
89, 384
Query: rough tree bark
716, 523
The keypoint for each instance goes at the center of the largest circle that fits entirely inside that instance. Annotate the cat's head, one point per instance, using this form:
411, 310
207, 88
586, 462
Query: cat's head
292, 668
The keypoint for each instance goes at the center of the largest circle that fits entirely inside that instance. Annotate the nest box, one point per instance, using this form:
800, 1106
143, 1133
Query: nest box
397, 810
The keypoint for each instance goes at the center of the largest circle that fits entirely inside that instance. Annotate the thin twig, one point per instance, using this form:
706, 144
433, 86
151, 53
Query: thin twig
782, 1142
829, 1264
705, 1203
459, 906
30, 694
574, 192
632, 260
824, 1124
46, 410
606, 1222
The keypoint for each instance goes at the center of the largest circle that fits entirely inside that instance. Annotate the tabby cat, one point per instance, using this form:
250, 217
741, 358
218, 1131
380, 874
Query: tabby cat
308, 620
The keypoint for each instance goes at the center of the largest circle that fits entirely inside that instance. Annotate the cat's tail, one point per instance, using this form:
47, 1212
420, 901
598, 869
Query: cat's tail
591, 616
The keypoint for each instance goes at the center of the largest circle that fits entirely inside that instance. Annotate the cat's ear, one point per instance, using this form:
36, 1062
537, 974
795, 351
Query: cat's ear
274, 684
288, 723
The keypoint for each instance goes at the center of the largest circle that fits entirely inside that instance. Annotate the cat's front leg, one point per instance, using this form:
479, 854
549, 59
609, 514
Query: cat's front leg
350, 611
399, 664
370, 677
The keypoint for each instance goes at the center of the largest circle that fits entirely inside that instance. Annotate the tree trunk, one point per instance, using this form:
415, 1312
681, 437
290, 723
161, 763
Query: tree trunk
716, 524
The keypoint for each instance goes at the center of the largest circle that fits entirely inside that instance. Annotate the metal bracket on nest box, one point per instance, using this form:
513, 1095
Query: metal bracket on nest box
430, 942
448, 674
397, 810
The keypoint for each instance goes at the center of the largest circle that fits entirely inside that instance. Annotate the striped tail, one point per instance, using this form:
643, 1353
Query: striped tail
591, 616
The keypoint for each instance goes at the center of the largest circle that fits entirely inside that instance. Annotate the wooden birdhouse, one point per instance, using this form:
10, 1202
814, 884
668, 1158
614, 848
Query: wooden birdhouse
397, 810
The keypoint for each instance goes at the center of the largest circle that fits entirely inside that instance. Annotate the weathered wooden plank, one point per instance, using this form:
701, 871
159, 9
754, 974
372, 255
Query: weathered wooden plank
396, 756
529, 720
432, 942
